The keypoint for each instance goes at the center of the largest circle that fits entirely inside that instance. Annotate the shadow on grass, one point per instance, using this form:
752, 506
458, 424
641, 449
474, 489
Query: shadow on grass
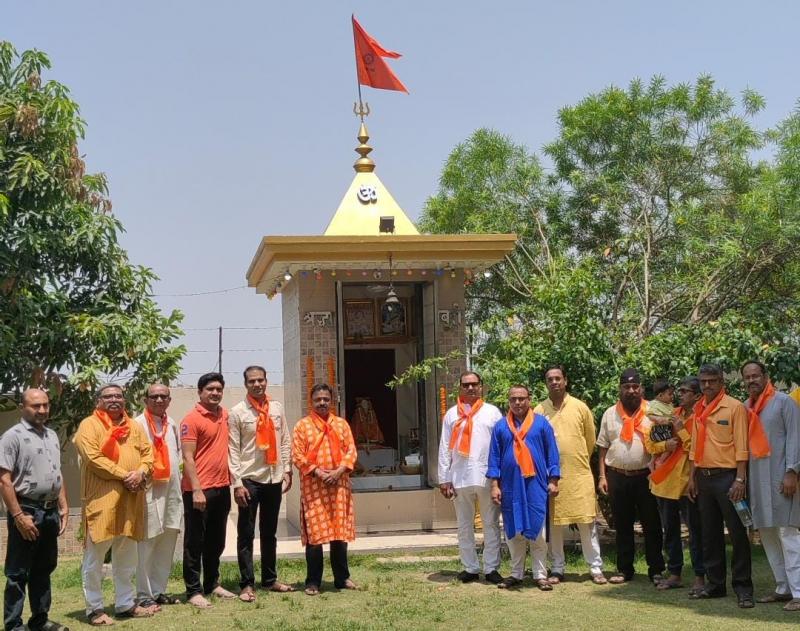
442, 576
641, 590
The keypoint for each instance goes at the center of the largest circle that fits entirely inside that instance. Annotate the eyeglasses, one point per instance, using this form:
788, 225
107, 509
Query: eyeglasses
158, 397
471, 384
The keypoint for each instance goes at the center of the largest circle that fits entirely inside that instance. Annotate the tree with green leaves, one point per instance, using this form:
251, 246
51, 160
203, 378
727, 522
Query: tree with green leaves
658, 240
73, 309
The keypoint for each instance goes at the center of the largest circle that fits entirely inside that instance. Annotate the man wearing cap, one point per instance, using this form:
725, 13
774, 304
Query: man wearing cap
164, 501
717, 478
774, 464
33, 492
463, 460
623, 441
260, 461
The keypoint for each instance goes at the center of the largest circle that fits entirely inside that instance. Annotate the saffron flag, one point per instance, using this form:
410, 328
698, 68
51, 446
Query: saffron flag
372, 69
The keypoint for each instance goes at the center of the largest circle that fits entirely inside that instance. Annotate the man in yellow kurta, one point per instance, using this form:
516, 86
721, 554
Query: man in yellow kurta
576, 502
324, 452
116, 462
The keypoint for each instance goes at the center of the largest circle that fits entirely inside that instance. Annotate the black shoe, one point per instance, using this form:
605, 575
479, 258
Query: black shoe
704, 594
494, 577
467, 577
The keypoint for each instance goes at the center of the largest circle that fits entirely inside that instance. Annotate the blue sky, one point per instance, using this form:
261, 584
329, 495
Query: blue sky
218, 123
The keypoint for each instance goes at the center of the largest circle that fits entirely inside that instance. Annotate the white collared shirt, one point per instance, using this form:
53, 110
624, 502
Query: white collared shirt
621, 455
467, 471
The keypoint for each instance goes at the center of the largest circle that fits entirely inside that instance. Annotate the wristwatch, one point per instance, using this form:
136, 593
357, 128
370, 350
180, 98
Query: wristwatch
740, 480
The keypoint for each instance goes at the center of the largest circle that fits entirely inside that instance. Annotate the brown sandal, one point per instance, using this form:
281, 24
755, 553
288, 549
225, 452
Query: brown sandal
99, 618
311, 590
544, 585
281, 588
247, 595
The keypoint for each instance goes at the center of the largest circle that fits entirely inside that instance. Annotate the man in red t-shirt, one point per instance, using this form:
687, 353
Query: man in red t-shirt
206, 491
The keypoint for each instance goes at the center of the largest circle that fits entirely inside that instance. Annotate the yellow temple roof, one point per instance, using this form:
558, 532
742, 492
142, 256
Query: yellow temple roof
354, 238
367, 200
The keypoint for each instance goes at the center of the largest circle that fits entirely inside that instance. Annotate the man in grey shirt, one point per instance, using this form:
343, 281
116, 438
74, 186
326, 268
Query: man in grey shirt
34, 495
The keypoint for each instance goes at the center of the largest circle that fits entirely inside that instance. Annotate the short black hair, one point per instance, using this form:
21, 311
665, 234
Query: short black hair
254, 367
711, 369
208, 378
693, 383
319, 387
470, 372
554, 367
520, 387
755, 362
661, 385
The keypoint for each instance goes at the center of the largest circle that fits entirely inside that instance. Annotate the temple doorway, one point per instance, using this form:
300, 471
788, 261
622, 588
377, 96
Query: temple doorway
368, 399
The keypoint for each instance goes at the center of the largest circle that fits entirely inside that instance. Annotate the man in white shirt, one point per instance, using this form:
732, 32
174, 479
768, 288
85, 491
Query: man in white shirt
260, 461
625, 446
164, 501
463, 461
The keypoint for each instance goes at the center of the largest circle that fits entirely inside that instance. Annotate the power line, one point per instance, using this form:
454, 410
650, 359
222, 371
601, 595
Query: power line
234, 328
201, 293
240, 350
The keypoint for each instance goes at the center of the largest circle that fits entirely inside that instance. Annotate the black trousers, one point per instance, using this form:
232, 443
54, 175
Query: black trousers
631, 495
265, 502
671, 513
204, 539
29, 564
716, 512
338, 564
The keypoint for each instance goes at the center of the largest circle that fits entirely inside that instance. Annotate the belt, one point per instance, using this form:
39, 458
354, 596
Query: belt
44, 504
709, 471
629, 472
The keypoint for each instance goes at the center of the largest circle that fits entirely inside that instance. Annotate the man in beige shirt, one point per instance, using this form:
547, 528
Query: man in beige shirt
259, 458
624, 443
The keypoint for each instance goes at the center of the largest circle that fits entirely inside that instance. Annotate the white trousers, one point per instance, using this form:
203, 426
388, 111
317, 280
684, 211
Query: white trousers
590, 544
518, 547
490, 516
782, 546
155, 564
123, 565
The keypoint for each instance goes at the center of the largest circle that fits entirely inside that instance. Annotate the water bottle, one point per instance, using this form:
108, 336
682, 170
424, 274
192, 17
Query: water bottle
743, 510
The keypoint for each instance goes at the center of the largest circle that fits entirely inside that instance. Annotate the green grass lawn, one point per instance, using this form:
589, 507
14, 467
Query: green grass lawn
423, 594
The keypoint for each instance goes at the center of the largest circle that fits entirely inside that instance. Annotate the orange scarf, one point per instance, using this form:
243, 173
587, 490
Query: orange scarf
266, 440
161, 466
464, 422
702, 411
629, 423
326, 431
110, 448
521, 452
759, 443
662, 471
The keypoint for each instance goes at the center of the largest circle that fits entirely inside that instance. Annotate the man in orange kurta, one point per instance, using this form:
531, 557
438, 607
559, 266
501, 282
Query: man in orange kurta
324, 452
116, 463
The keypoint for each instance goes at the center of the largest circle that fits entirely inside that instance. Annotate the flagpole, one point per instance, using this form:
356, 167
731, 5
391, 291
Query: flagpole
358, 79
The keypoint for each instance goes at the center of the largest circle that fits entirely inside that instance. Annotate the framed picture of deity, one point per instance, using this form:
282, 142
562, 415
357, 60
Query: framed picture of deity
359, 319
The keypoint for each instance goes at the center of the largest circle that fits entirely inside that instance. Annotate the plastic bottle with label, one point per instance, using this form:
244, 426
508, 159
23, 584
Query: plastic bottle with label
743, 510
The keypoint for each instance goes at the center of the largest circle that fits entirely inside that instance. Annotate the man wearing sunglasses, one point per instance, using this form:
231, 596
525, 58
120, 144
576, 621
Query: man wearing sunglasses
463, 461
164, 501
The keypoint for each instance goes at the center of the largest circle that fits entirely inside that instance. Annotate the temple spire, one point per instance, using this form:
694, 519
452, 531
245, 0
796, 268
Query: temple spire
364, 164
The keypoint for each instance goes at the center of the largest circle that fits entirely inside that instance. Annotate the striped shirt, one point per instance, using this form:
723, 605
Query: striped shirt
109, 509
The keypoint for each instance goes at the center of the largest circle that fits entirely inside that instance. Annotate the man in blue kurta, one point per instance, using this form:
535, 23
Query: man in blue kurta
524, 470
